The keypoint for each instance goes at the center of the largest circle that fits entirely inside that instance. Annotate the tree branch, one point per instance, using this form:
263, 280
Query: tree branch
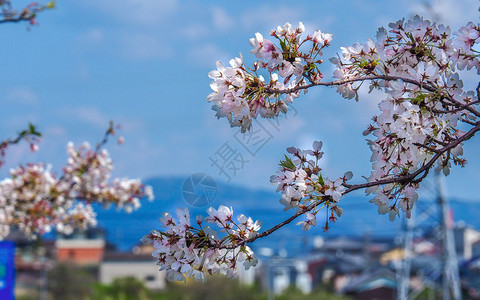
402, 179
16, 20
429, 88
459, 106
464, 106
274, 228
425, 167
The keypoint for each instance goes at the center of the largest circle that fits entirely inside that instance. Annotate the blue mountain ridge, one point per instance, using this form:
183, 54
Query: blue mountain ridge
360, 217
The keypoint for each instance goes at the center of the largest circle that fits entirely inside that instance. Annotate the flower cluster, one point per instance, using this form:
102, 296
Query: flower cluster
28, 13
184, 249
35, 200
421, 112
416, 63
302, 185
241, 93
416, 49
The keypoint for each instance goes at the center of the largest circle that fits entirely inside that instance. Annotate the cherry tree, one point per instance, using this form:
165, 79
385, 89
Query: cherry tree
35, 199
424, 119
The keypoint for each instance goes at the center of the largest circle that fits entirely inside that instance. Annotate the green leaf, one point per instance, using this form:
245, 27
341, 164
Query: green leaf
282, 44
320, 180
50, 4
288, 163
33, 130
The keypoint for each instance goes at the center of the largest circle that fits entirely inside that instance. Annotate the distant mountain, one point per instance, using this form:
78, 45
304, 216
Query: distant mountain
361, 217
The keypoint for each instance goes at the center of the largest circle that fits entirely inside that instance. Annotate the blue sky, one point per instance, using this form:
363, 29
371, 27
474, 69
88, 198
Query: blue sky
144, 64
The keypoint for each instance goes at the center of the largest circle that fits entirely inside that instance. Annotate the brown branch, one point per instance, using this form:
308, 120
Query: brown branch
478, 91
460, 105
464, 106
271, 230
423, 171
468, 122
17, 19
425, 167
429, 88
402, 179
423, 85
426, 147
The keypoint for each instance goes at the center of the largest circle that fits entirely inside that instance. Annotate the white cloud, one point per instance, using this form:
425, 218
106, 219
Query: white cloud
325, 24
206, 55
92, 36
288, 126
144, 46
55, 131
21, 95
305, 142
139, 157
221, 20
131, 126
370, 100
132, 44
195, 32
268, 16
137, 12
455, 13
89, 115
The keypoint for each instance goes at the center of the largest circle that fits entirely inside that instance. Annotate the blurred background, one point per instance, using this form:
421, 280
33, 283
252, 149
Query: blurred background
144, 64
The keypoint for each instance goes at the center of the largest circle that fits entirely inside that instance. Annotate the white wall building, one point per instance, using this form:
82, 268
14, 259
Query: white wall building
142, 267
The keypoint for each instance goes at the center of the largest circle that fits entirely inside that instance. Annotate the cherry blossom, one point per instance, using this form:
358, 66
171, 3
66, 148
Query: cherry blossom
35, 200
184, 250
302, 184
241, 93
413, 62
424, 119
419, 116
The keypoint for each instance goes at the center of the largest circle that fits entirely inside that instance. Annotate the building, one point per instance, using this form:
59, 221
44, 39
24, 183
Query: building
82, 247
279, 272
467, 241
380, 284
139, 264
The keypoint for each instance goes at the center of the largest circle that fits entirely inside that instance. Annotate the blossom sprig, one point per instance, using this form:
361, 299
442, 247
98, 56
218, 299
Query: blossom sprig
425, 117
8, 14
36, 200
240, 93
30, 135
192, 249
302, 184
417, 49
421, 113
416, 63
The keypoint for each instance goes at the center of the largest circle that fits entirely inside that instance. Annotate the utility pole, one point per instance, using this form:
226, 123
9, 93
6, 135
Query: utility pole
450, 277
403, 286
450, 280
366, 251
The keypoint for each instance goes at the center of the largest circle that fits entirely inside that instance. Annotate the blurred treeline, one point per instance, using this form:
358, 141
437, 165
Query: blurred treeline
70, 282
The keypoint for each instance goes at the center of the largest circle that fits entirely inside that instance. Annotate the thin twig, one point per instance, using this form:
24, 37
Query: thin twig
274, 228
456, 109
402, 179
16, 20
344, 81
422, 85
